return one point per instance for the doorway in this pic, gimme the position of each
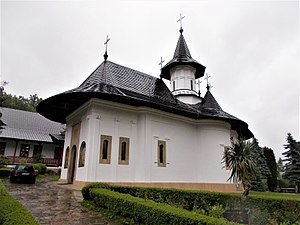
(72, 164)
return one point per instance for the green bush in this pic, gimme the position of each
(12, 212)
(3, 161)
(263, 206)
(41, 168)
(146, 211)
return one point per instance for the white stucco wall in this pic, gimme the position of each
(193, 148)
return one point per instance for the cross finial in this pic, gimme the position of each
(180, 20)
(106, 43)
(161, 62)
(206, 78)
(199, 82)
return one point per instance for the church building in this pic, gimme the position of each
(127, 127)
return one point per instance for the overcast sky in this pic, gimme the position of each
(250, 50)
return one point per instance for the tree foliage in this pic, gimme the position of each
(262, 172)
(292, 166)
(271, 163)
(21, 102)
(240, 161)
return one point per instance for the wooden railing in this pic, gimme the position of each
(47, 161)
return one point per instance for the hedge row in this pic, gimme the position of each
(263, 209)
(12, 212)
(146, 211)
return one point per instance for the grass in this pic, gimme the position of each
(275, 195)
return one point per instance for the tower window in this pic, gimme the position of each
(105, 149)
(173, 85)
(192, 85)
(124, 151)
(161, 153)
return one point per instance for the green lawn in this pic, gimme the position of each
(275, 195)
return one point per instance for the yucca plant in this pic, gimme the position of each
(240, 162)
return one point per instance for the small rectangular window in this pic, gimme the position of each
(105, 149)
(24, 152)
(174, 85)
(124, 151)
(161, 154)
(37, 150)
(192, 85)
(2, 148)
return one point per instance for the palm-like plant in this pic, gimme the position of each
(239, 160)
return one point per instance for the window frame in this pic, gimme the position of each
(82, 151)
(123, 140)
(24, 148)
(107, 138)
(161, 153)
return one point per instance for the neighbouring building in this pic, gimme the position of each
(28, 136)
(126, 127)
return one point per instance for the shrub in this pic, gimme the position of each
(41, 168)
(263, 207)
(3, 161)
(146, 211)
(12, 212)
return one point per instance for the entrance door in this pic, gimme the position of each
(73, 154)
(72, 164)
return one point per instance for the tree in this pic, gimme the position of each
(21, 102)
(292, 166)
(240, 161)
(262, 170)
(271, 163)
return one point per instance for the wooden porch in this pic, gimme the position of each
(46, 161)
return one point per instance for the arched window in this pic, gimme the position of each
(82, 154)
(161, 154)
(67, 157)
(105, 149)
(124, 150)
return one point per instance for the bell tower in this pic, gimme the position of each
(182, 72)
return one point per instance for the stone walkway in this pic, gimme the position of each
(53, 204)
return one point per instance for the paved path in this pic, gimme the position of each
(53, 204)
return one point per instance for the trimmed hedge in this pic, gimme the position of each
(148, 212)
(264, 209)
(12, 212)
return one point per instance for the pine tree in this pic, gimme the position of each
(271, 163)
(292, 167)
(262, 169)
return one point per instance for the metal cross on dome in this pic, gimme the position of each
(206, 78)
(180, 20)
(106, 42)
(161, 62)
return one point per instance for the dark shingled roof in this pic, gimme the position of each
(120, 84)
(31, 126)
(182, 56)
